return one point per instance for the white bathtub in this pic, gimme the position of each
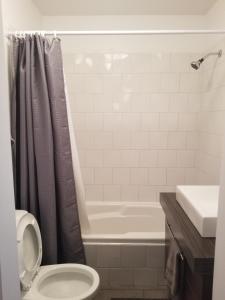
(126, 222)
(126, 246)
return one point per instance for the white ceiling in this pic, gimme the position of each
(123, 7)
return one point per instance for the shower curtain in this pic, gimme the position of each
(44, 178)
(80, 191)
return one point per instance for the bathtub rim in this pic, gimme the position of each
(155, 204)
(130, 238)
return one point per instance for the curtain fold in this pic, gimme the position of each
(80, 190)
(44, 178)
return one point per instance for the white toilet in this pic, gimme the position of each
(55, 282)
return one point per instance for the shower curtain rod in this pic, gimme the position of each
(121, 32)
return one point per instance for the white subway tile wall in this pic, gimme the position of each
(136, 117)
(211, 121)
(138, 269)
(144, 123)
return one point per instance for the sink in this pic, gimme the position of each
(200, 203)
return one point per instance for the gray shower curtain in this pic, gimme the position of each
(43, 172)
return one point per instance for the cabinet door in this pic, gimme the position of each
(195, 286)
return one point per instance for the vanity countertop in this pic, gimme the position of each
(198, 251)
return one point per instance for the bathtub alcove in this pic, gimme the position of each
(125, 245)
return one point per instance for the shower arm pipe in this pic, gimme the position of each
(119, 32)
(218, 53)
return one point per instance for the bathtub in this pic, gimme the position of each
(126, 245)
(126, 222)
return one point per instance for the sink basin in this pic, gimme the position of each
(200, 203)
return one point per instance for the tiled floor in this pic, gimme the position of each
(132, 295)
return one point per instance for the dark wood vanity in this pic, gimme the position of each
(198, 252)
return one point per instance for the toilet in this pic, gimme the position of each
(54, 282)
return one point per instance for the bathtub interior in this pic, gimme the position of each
(125, 222)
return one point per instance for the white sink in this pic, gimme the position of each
(200, 203)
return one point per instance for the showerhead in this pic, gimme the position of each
(196, 64)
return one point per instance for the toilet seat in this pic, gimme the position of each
(29, 246)
(43, 288)
(54, 282)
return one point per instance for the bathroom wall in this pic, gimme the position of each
(211, 125)
(176, 43)
(8, 253)
(215, 16)
(14, 15)
(20, 15)
(116, 22)
(216, 19)
(135, 116)
(219, 265)
(135, 107)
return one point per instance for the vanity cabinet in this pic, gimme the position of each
(197, 252)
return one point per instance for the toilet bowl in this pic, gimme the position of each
(65, 281)
(54, 282)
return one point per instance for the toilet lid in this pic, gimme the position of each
(29, 247)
